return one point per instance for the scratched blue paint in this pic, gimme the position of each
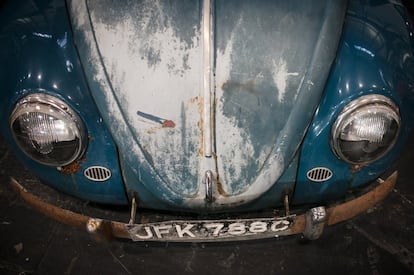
(150, 18)
(158, 13)
(272, 84)
(151, 117)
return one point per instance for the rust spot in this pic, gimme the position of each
(168, 124)
(101, 230)
(200, 127)
(221, 190)
(90, 138)
(234, 204)
(152, 131)
(200, 124)
(194, 99)
(357, 167)
(71, 168)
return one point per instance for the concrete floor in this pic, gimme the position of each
(378, 242)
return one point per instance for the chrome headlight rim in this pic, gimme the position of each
(37, 102)
(377, 101)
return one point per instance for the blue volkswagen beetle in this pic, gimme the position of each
(265, 118)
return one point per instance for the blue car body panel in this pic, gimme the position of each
(375, 56)
(41, 51)
(38, 55)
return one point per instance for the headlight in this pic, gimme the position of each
(48, 130)
(366, 129)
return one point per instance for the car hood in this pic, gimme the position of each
(219, 88)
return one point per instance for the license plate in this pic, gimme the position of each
(211, 230)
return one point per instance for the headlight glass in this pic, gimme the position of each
(48, 130)
(366, 129)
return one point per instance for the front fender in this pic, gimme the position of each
(38, 55)
(375, 57)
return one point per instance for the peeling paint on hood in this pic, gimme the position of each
(144, 60)
(151, 55)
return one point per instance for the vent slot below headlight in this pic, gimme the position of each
(319, 174)
(97, 173)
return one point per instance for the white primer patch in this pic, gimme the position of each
(164, 87)
(81, 23)
(235, 149)
(281, 77)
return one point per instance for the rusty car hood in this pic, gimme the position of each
(187, 87)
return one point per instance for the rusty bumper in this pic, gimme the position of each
(310, 224)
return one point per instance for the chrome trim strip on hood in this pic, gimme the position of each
(207, 76)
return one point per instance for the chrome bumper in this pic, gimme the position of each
(310, 224)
